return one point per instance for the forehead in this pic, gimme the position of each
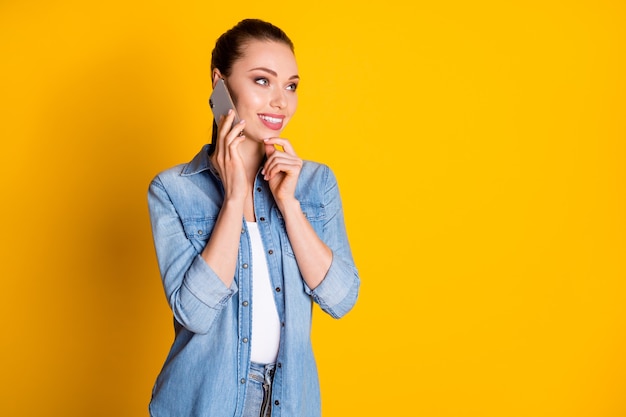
(276, 56)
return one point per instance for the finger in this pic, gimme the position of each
(222, 134)
(236, 131)
(225, 119)
(284, 143)
(269, 149)
(279, 157)
(276, 165)
(225, 124)
(232, 152)
(232, 146)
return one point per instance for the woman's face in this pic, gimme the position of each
(263, 86)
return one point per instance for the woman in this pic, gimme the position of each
(247, 237)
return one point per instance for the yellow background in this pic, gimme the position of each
(480, 150)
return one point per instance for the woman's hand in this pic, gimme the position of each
(227, 159)
(221, 250)
(281, 169)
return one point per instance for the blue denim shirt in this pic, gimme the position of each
(206, 369)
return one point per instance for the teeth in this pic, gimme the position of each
(271, 119)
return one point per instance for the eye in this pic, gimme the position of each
(292, 87)
(261, 81)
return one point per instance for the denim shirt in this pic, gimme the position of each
(205, 371)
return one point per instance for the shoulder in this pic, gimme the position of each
(167, 176)
(316, 180)
(183, 172)
(174, 171)
(316, 171)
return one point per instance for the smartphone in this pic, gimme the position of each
(221, 102)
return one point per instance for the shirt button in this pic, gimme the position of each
(280, 365)
(277, 289)
(245, 304)
(245, 340)
(276, 402)
(243, 231)
(262, 219)
(245, 266)
(199, 232)
(258, 189)
(271, 252)
(243, 380)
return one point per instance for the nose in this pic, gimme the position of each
(278, 98)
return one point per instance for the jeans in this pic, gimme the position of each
(259, 391)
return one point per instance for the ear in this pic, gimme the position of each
(216, 76)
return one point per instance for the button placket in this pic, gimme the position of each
(246, 312)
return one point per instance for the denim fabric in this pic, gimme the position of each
(259, 391)
(205, 373)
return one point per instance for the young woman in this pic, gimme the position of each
(248, 236)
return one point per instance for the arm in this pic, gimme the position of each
(338, 291)
(198, 285)
(193, 289)
(223, 246)
(314, 257)
(282, 170)
(325, 261)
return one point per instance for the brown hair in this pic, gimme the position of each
(229, 47)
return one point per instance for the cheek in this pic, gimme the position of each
(249, 103)
(293, 103)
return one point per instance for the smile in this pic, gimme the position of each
(271, 119)
(273, 122)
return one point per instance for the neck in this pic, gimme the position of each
(252, 154)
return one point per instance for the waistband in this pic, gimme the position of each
(262, 372)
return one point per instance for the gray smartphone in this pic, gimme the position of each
(220, 102)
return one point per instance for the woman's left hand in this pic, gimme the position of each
(281, 169)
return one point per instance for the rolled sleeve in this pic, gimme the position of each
(195, 293)
(338, 291)
(200, 298)
(204, 285)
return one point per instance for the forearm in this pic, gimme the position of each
(220, 253)
(314, 257)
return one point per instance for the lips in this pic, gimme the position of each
(274, 121)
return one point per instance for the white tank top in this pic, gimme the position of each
(265, 322)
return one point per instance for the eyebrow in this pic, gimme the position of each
(274, 73)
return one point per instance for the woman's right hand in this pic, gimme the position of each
(221, 250)
(227, 159)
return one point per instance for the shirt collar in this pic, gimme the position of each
(201, 162)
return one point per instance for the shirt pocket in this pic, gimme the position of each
(315, 214)
(198, 231)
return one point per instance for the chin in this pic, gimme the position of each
(254, 137)
(267, 133)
